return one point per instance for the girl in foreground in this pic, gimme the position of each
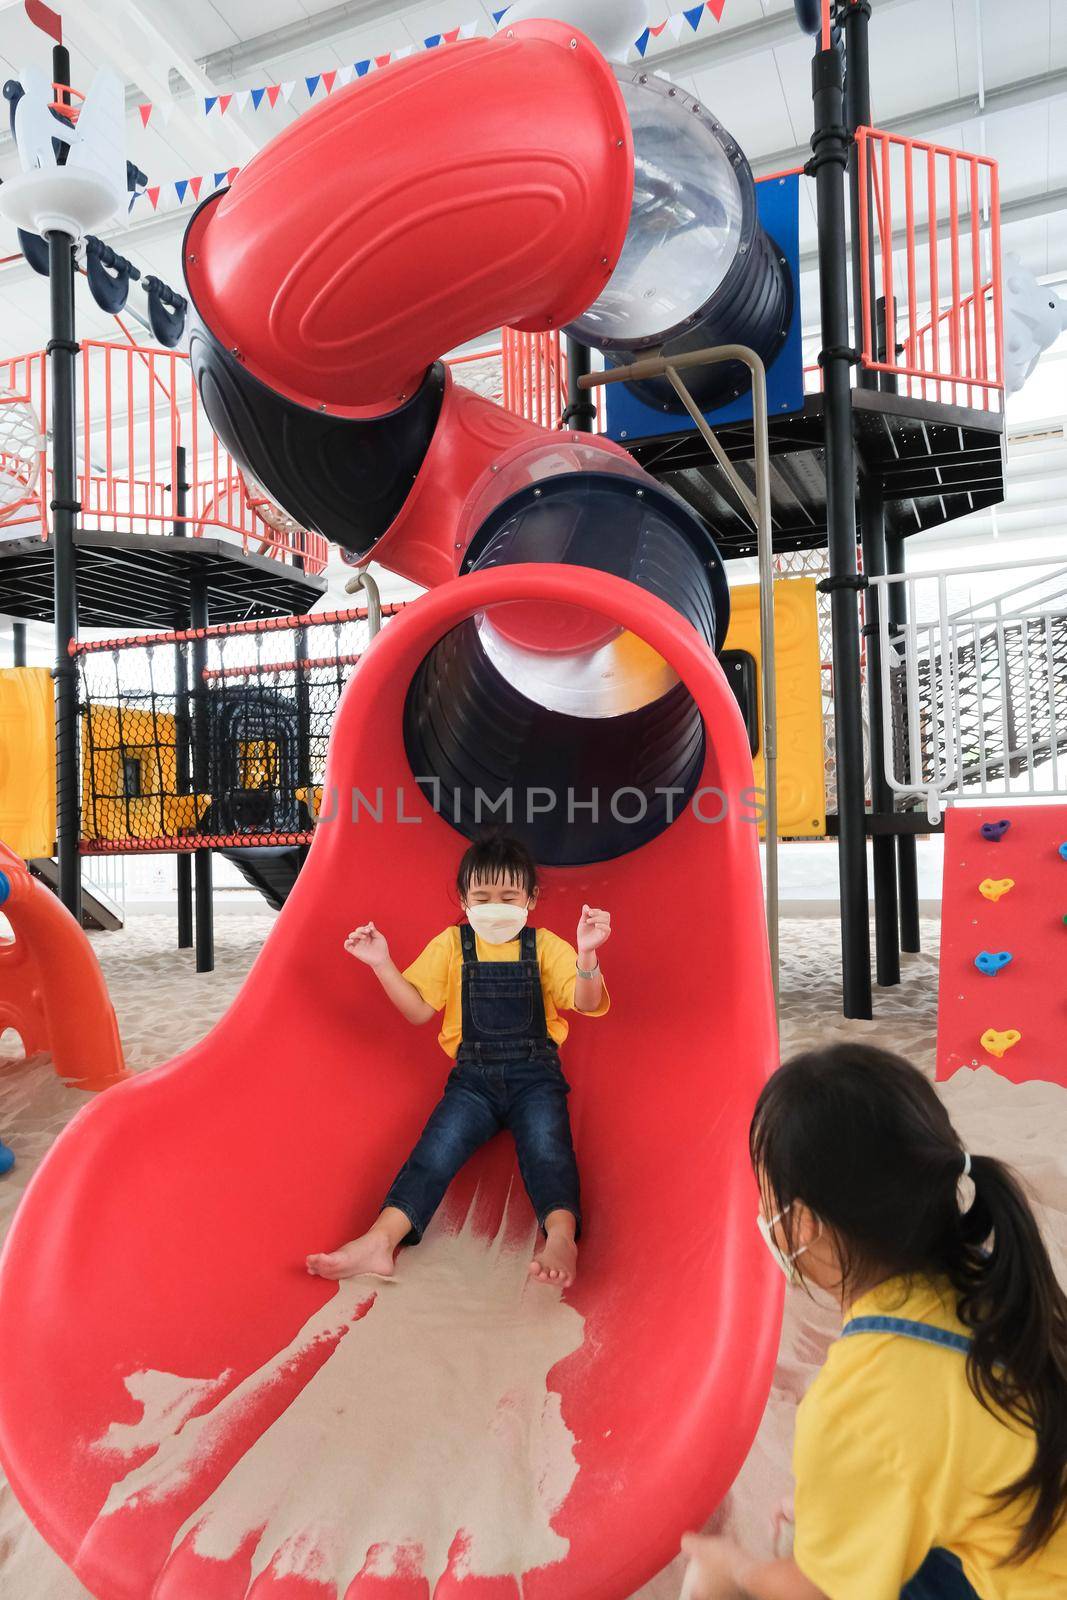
(931, 1451)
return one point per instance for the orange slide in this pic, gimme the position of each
(195, 1418)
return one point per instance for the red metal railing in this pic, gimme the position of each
(827, 24)
(228, 630)
(535, 376)
(932, 312)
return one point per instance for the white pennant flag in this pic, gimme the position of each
(243, 96)
(287, 89)
(468, 30)
(675, 25)
(405, 50)
(345, 74)
(164, 109)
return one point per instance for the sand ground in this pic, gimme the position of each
(163, 1007)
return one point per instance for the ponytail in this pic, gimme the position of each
(861, 1139)
(1012, 1304)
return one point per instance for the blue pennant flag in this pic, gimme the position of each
(642, 43)
(313, 83)
(498, 14)
(693, 16)
(209, 101)
(361, 68)
(433, 41)
(220, 177)
(180, 186)
(257, 96)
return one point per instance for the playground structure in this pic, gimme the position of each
(477, 689)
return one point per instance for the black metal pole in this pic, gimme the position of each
(62, 350)
(907, 861)
(303, 719)
(205, 926)
(182, 730)
(18, 644)
(580, 414)
(830, 153)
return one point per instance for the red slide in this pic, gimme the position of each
(187, 1415)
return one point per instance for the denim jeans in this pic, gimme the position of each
(939, 1578)
(528, 1095)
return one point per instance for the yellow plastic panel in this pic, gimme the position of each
(112, 735)
(801, 770)
(27, 761)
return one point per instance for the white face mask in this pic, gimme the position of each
(497, 923)
(787, 1263)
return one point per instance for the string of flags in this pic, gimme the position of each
(301, 92)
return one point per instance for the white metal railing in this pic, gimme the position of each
(974, 697)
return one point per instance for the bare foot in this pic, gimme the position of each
(557, 1262)
(372, 1253)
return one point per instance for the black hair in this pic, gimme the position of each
(861, 1138)
(497, 855)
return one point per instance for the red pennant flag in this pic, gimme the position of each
(194, 184)
(328, 80)
(273, 91)
(46, 19)
(655, 32)
(451, 36)
(145, 112)
(224, 103)
(153, 195)
(717, 7)
(383, 61)
(232, 173)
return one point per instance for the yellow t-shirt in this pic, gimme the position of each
(437, 975)
(894, 1456)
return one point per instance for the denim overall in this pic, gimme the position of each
(941, 1575)
(507, 1075)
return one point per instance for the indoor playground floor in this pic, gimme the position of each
(163, 1007)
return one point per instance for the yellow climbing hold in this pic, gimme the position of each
(998, 1044)
(996, 888)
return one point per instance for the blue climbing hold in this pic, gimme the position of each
(1063, 851)
(991, 962)
(7, 1159)
(5, 887)
(995, 831)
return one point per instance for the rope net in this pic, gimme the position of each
(212, 741)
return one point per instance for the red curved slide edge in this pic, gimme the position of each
(453, 192)
(52, 991)
(166, 1229)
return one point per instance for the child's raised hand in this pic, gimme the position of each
(368, 945)
(594, 928)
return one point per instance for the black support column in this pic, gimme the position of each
(580, 414)
(830, 155)
(205, 921)
(907, 861)
(18, 644)
(182, 723)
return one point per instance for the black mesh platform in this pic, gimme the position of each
(134, 582)
(934, 463)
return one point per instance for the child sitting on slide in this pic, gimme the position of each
(931, 1451)
(502, 987)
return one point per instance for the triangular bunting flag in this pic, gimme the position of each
(432, 41)
(232, 173)
(287, 90)
(224, 104)
(153, 195)
(642, 43)
(180, 186)
(383, 61)
(361, 68)
(328, 81)
(468, 30)
(164, 109)
(717, 7)
(209, 101)
(145, 111)
(451, 36)
(498, 14)
(194, 184)
(220, 177)
(344, 74)
(405, 50)
(257, 98)
(693, 15)
(243, 97)
(675, 24)
(273, 91)
(312, 84)
(656, 31)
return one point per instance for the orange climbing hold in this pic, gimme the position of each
(999, 1043)
(996, 888)
(52, 992)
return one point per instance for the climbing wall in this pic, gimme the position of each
(1003, 1001)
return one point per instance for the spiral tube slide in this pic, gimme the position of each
(194, 1418)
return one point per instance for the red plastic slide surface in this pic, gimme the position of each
(980, 1012)
(187, 1415)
